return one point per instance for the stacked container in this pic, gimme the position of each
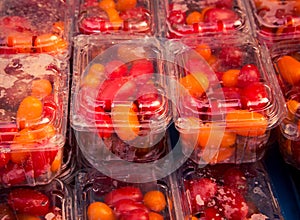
(285, 57)
(274, 21)
(34, 83)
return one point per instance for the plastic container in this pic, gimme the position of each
(286, 59)
(119, 106)
(186, 18)
(33, 103)
(97, 194)
(227, 191)
(227, 99)
(36, 26)
(117, 17)
(51, 201)
(274, 21)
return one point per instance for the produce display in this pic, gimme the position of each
(275, 20)
(33, 119)
(286, 61)
(202, 17)
(37, 26)
(44, 202)
(226, 104)
(128, 17)
(120, 109)
(106, 198)
(227, 192)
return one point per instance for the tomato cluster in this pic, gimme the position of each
(224, 87)
(21, 37)
(28, 204)
(275, 19)
(107, 16)
(23, 137)
(186, 18)
(220, 193)
(121, 99)
(129, 203)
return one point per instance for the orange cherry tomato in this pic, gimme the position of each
(99, 210)
(230, 77)
(123, 5)
(204, 50)
(29, 112)
(44, 131)
(246, 123)
(107, 4)
(155, 216)
(193, 17)
(23, 44)
(50, 43)
(27, 217)
(114, 18)
(41, 88)
(155, 200)
(289, 69)
(196, 83)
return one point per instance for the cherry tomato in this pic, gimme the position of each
(7, 132)
(28, 201)
(213, 15)
(99, 210)
(248, 74)
(50, 43)
(127, 192)
(193, 17)
(27, 217)
(288, 68)
(236, 179)
(254, 96)
(103, 123)
(196, 83)
(13, 174)
(142, 69)
(155, 200)
(201, 191)
(230, 78)
(136, 19)
(94, 24)
(136, 214)
(126, 205)
(41, 88)
(123, 5)
(177, 17)
(116, 69)
(211, 213)
(233, 204)
(231, 56)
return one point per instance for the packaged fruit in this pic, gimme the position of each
(185, 18)
(286, 60)
(228, 99)
(101, 197)
(35, 26)
(227, 191)
(33, 104)
(119, 107)
(275, 20)
(51, 201)
(121, 17)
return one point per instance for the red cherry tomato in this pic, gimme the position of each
(225, 15)
(248, 74)
(201, 192)
(127, 205)
(137, 19)
(232, 203)
(116, 69)
(136, 214)
(254, 96)
(176, 17)
(236, 179)
(212, 213)
(12, 174)
(127, 192)
(103, 123)
(4, 159)
(231, 57)
(28, 201)
(7, 132)
(143, 69)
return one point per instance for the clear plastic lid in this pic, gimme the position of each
(51, 201)
(121, 199)
(227, 96)
(186, 18)
(227, 191)
(275, 20)
(35, 26)
(119, 86)
(134, 17)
